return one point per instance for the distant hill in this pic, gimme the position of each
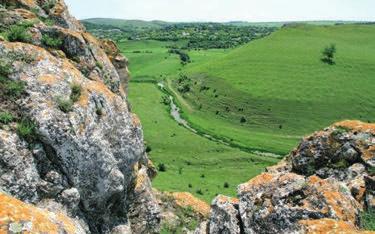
(157, 24)
(127, 24)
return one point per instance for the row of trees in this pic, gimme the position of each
(197, 35)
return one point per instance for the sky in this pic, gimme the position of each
(225, 10)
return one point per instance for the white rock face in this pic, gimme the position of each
(84, 155)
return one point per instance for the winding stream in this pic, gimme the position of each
(176, 114)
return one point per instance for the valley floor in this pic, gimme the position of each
(192, 163)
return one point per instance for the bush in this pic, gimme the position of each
(190, 185)
(148, 149)
(76, 92)
(329, 54)
(5, 67)
(51, 42)
(65, 105)
(18, 33)
(6, 117)
(27, 130)
(99, 65)
(48, 5)
(199, 191)
(14, 89)
(99, 111)
(368, 220)
(243, 120)
(162, 167)
(226, 185)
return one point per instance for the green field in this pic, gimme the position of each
(281, 88)
(189, 158)
(277, 85)
(151, 60)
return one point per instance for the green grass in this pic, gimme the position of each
(6, 117)
(151, 60)
(26, 129)
(187, 156)
(282, 88)
(368, 220)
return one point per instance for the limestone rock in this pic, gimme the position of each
(85, 155)
(144, 210)
(19, 217)
(321, 187)
(224, 216)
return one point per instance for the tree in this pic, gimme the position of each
(329, 54)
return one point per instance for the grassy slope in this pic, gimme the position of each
(160, 63)
(177, 148)
(280, 81)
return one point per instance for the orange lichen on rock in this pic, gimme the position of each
(186, 200)
(136, 121)
(97, 87)
(30, 219)
(225, 199)
(357, 126)
(329, 226)
(48, 79)
(368, 153)
(26, 14)
(261, 179)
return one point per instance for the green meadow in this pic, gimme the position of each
(263, 96)
(269, 93)
(192, 163)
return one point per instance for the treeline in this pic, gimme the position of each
(197, 35)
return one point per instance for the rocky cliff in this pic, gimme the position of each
(69, 145)
(321, 187)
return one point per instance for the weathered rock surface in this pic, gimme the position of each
(85, 153)
(321, 187)
(19, 217)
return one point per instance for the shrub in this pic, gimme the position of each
(76, 92)
(5, 67)
(48, 5)
(190, 185)
(243, 120)
(51, 42)
(203, 176)
(148, 149)
(199, 191)
(14, 89)
(6, 117)
(65, 105)
(226, 185)
(27, 130)
(162, 167)
(18, 33)
(329, 54)
(368, 220)
(99, 65)
(99, 111)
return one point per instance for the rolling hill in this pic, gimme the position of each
(269, 93)
(126, 24)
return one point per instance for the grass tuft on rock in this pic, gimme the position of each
(26, 129)
(65, 105)
(18, 33)
(6, 117)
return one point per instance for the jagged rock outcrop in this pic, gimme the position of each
(321, 187)
(72, 142)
